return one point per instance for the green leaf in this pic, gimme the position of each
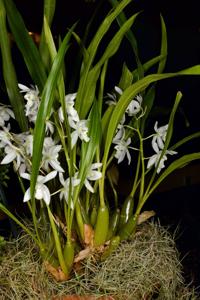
(26, 45)
(45, 109)
(9, 73)
(104, 27)
(179, 163)
(150, 95)
(49, 10)
(171, 121)
(93, 74)
(114, 44)
(126, 78)
(89, 149)
(105, 121)
(146, 66)
(185, 140)
(92, 49)
(163, 51)
(121, 19)
(52, 51)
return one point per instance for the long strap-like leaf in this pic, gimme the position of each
(92, 49)
(49, 10)
(9, 73)
(26, 45)
(45, 109)
(178, 163)
(121, 19)
(93, 74)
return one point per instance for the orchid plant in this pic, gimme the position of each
(69, 140)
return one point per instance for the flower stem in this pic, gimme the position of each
(57, 243)
(142, 165)
(135, 184)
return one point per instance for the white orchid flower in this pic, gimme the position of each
(18, 149)
(28, 145)
(159, 137)
(12, 154)
(113, 97)
(134, 106)
(70, 110)
(122, 150)
(31, 94)
(31, 109)
(41, 190)
(154, 159)
(48, 142)
(120, 132)
(5, 137)
(50, 154)
(49, 127)
(20, 138)
(81, 131)
(33, 101)
(5, 114)
(64, 194)
(50, 158)
(92, 175)
(25, 144)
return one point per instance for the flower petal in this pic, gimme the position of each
(56, 166)
(8, 158)
(152, 161)
(27, 196)
(118, 90)
(25, 176)
(46, 195)
(154, 144)
(23, 88)
(49, 176)
(160, 142)
(88, 186)
(74, 138)
(96, 165)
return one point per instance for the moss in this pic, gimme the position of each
(145, 267)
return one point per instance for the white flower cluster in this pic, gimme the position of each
(122, 145)
(18, 148)
(5, 114)
(79, 126)
(158, 140)
(134, 107)
(33, 101)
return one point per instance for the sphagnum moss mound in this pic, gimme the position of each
(146, 267)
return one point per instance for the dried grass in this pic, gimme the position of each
(145, 267)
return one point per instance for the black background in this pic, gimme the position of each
(178, 206)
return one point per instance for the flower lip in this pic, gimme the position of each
(41, 190)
